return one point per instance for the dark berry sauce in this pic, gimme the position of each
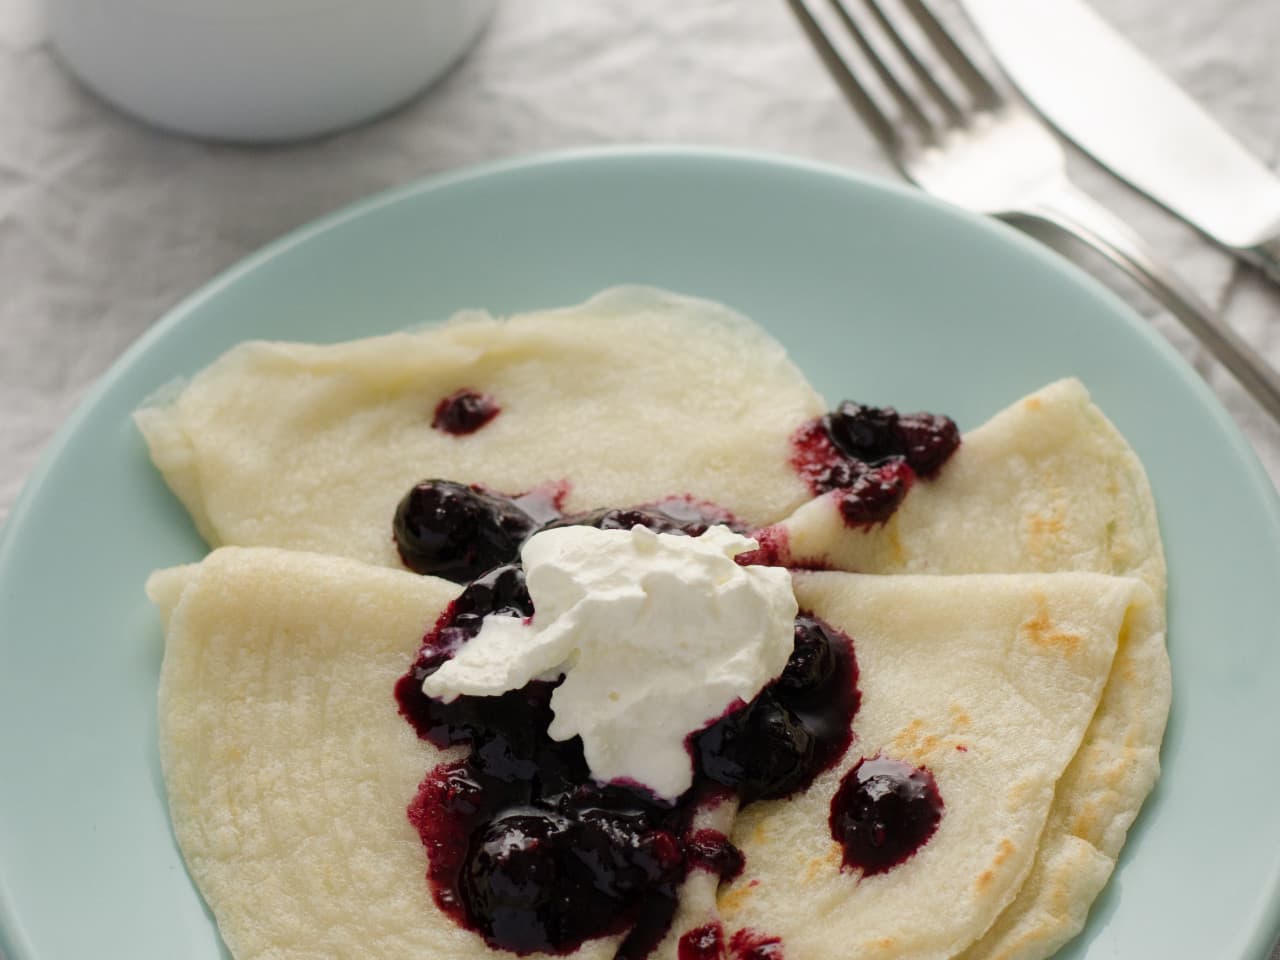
(523, 846)
(798, 726)
(884, 811)
(872, 454)
(464, 411)
(544, 503)
(702, 943)
(874, 496)
(458, 531)
(672, 515)
(751, 945)
(774, 548)
(711, 850)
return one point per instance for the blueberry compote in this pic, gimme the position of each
(753, 945)
(711, 850)
(672, 515)
(464, 411)
(457, 531)
(796, 727)
(884, 811)
(702, 943)
(873, 455)
(523, 846)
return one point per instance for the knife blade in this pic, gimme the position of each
(1103, 95)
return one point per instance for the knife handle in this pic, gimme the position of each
(1074, 212)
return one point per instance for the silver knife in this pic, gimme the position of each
(1114, 104)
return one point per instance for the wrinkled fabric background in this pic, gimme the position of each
(105, 224)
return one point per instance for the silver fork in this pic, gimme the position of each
(988, 153)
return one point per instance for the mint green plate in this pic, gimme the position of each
(879, 293)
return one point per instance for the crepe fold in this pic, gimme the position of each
(1048, 484)
(986, 681)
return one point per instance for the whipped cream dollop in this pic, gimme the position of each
(656, 634)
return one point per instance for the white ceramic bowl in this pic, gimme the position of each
(261, 70)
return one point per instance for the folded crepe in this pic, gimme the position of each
(1048, 484)
(289, 768)
(988, 682)
(634, 396)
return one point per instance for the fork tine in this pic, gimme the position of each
(905, 101)
(870, 114)
(974, 80)
(922, 74)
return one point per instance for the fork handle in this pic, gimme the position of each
(1076, 213)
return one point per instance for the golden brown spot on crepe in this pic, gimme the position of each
(1061, 891)
(892, 543)
(907, 737)
(914, 744)
(959, 717)
(1044, 530)
(831, 861)
(1042, 525)
(1085, 824)
(1032, 938)
(1019, 793)
(1003, 853)
(759, 834)
(1123, 661)
(885, 945)
(1033, 403)
(1118, 774)
(732, 900)
(1041, 631)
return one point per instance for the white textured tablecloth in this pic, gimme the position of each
(105, 224)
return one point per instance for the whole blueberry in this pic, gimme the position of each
(869, 434)
(876, 494)
(927, 440)
(811, 660)
(763, 750)
(456, 531)
(514, 880)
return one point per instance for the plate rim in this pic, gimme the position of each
(14, 943)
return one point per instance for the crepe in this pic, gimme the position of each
(1047, 484)
(289, 768)
(634, 396)
(988, 682)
